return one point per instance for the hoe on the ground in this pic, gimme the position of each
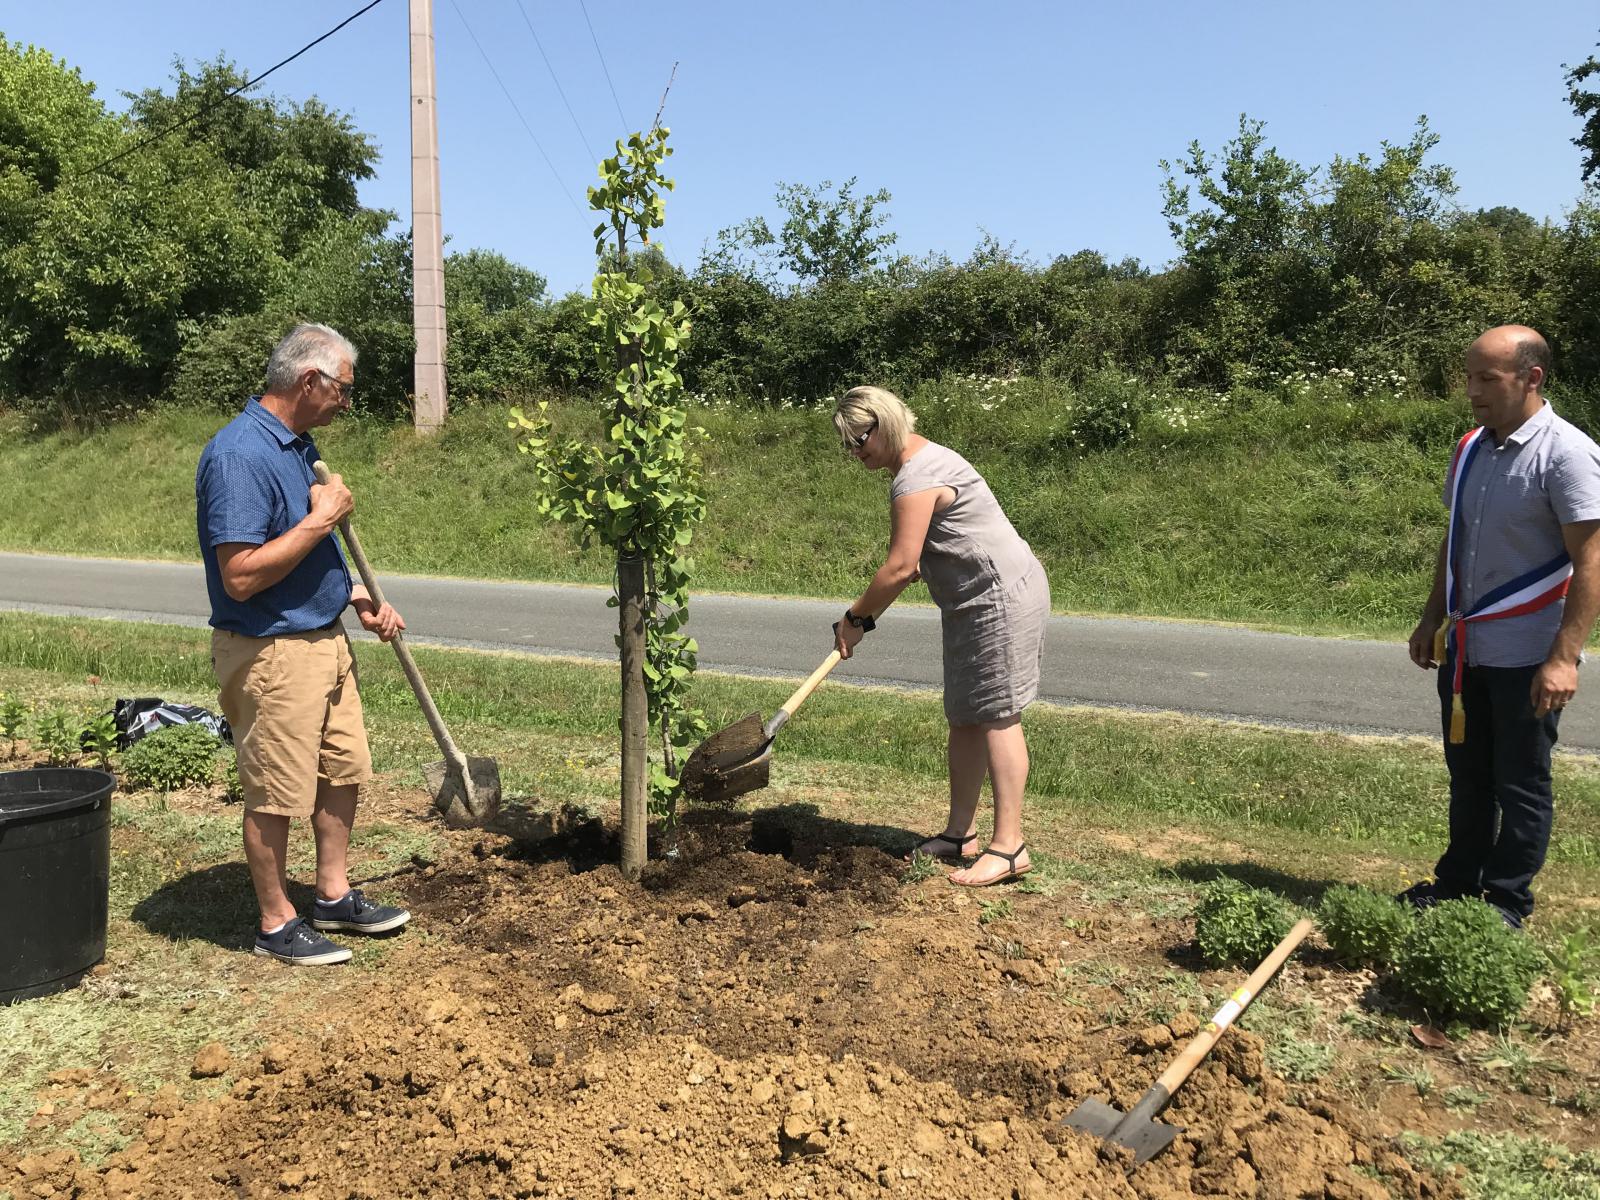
(1138, 1130)
(738, 759)
(465, 790)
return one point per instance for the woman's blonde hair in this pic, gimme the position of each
(861, 407)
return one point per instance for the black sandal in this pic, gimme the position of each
(957, 842)
(1013, 873)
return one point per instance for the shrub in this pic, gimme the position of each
(99, 737)
(172, 757)
(1235, 924)
(1461, 961)
(1575, 972)
(13, 713)
(56, 737)
(1105, 411)
(1363, 926)
(234, 790)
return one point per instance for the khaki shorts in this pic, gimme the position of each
(293, 703)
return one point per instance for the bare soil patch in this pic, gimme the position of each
(773, 1012)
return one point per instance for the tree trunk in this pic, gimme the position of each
(635, 715)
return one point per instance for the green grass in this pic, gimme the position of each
(1315, 511)
(1507, 1167)
(1274, 791)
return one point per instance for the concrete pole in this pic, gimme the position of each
(427, 229)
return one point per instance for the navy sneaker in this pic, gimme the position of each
(357, 914)
(1513, 920)
(1423, 895)
(299, 945)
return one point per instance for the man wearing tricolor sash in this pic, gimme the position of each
(1515, 593)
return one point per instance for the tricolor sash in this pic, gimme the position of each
(1526, 593)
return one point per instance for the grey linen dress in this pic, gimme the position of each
(992, 593)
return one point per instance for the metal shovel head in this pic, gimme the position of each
(727, 748)
(727, 785)
(465, 802)
(1144, 1136)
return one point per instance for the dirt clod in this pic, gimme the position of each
(211, 1060)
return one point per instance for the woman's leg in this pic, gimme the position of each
(1006, 752)
(968, 757)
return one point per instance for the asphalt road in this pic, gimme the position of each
(1211, 670)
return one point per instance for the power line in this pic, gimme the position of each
(588, 149)
(200, 112)
(603, 67)
(509, 99)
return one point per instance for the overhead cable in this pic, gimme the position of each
(601, 54)
(203, 110)
(588, 147)
(512, 101)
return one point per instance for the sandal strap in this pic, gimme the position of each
(945, 837)
(1009, 859)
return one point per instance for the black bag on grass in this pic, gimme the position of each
(146, 714)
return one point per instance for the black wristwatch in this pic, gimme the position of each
(865, 624)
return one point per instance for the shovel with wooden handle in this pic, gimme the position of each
(1138, 1129)
(465, 790)
(738, 759)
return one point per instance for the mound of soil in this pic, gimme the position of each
(772, 1013)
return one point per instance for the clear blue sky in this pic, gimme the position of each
(1042, 123)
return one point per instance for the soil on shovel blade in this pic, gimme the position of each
(772, 1013)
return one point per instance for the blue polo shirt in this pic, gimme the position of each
(253, 484)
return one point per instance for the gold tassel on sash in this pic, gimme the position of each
(1458, 711)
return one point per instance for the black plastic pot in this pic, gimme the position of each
(55, 878)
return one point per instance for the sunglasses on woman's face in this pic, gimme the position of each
(859, 440)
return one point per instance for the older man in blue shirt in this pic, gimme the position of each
(278, 585)
(1516, 590)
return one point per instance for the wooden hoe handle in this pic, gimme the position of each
(1194, 1053)
(447, 744)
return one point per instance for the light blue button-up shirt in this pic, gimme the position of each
(1514, 501)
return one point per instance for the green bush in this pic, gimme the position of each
(57, 736)
(99, 738)
(13, 714)
(234, 790)
(1363, 926)
(1106, 410)
(1235, 924)
(172, 757)
(1460, 960)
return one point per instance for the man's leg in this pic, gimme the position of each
(266, 851)
(331, 823)
(344, 764)
(1523, 743)
(1472, 803)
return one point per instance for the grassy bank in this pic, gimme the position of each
(1306, 507)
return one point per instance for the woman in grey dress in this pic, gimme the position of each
(993, 601)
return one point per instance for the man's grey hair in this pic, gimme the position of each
(307, 347)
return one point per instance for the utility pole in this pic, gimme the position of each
(427, 229)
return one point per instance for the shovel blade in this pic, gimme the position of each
(465, 802)
(729, 748)
(723, 787)
(1145, 1137)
